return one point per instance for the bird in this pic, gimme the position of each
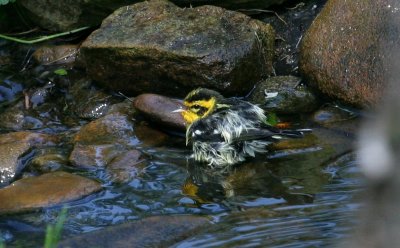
(225, 131)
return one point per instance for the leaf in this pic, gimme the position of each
(61, 72)
(271, 119)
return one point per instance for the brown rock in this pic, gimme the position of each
(126, 166)
(344, 54)
(110, 129)
(155, 46)
(93, 155)
(13, 146)
(158, 109)
(149, 136)
(156, 231)
(45, 191)
(62, 54)
(31, 138)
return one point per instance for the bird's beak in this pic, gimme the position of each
(179, 110)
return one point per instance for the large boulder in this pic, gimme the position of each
(344, 52)
(58, 15)
(155, 46)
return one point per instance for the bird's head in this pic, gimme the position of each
(200, 103)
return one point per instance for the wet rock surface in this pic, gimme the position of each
(284, 95)
(110, 129)
(62, 54)
(204, 46)
(159, 109)
(44, 191)
(93, 155)
(344, 52)
(14, 147)
(126, 166)
(157, 231)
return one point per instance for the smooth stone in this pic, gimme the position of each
(155, 231)
(109, 129)
(45, 191)
(159, 110)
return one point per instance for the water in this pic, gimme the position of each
(279, 205)
(301, 197)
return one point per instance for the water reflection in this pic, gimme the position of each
(252, 184)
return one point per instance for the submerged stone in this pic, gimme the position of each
(44, 191)
(155, 46)
(156, 231)
(126, 166)
(93, 155)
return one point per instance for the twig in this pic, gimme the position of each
(42, 38)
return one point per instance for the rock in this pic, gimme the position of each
(8, 88)
(10, 154)
(149, 136)
(159, 109)
(88, 102)
(344, 53)
(290, 25)
(93, 155)
(61, 54)
(14, 147)
(48, 162)
(17, 118)
(109, 129)
(156, 231)
(157, 47)
(64, 16)
(44, 191)
(126, 166)
(292, 96)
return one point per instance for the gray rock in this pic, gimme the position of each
(158, 47)
(156, 231)
(292, 97)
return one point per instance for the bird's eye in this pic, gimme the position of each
(195, 107)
